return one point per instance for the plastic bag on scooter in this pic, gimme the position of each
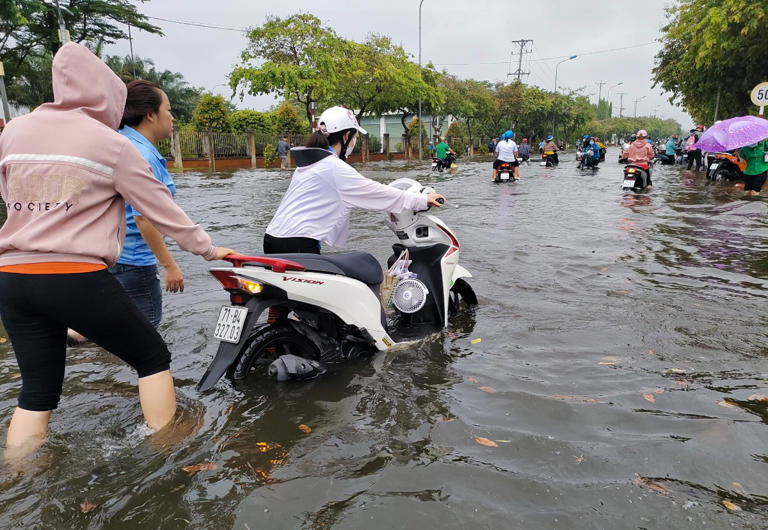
(398, 271)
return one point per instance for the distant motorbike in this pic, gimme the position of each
(724, 166)
(439, 164)
(636, 177)
(665, 159)
(586, 161)
(505, 173)
(549, 159)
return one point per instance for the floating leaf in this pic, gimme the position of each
(650, 352)
(504, 441)
(660, 488)
(757, 397)
(579, 459)
(472, 379)
(3, 340)
(608, 363)
(739, 487)
(488, 389)
(658, 391)
(732, 507)
(475, 341)
(727, 404)
(86, 506)
(649, 397)
(675, 371)
(306, 429)
(446, 419)
(199, 467)
(486, 441)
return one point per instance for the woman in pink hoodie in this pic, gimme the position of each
(64, 171)
(640, 153)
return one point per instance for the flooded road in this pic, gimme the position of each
(619, 380)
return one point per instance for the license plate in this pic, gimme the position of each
(504, 176)
(713, 167)
(629, 183)
(230, 324)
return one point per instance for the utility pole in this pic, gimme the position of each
(521, 43)
(621, 104)
(638, 99)
(600, 90)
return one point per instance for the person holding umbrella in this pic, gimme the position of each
(756, 156)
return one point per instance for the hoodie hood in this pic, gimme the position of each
(82, 82)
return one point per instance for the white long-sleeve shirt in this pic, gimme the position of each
(321, 196)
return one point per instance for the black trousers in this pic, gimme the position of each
(694, 155)
(290, 245)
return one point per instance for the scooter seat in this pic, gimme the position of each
(358, 265)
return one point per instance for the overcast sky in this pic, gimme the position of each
(471, 39)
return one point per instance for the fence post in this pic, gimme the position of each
(178, 161)
(386, 145)
(252, 147)
(364, 149)
(208, 142)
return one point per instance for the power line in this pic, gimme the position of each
(200, 25)
(555, 57)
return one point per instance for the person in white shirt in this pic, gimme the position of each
(506, 151)
(324, 189)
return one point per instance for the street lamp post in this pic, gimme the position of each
(608, 97)
(63, 35)
(556, 67)
(418, 123)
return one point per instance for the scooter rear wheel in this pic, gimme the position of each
(266, 345)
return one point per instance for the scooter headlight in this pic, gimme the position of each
(409, 295)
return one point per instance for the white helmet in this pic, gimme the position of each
(337, 119)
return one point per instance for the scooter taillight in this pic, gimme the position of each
(232, 282)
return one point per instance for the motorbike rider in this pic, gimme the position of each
(640, 153)
(602, 148)
(507, 153)
(756, 170)
(324, 189)
(441, 153)
(694, 154)
(550, 150)
(524, 150)
(592, 152)
(624, 147)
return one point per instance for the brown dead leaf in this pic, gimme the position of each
(658, 391)
(86, 506)
(199, 467)
(757, 397)
(731, 506)
(486, 441)
(739, 487)
(607, 363)
(650, 352)
(306, 429)
(660, 488)
(488, 389)
(640, 481)
(3, 340)
(649, 397)
(229, 408)
(446, 419)
(727, 404)
(471, 379)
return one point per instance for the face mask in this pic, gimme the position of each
(351, 146)
(591, 143)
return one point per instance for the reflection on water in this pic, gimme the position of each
(619, 379)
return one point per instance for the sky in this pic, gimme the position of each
(470, 39)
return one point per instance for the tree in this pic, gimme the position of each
(711, 47)
(296, 59)
(469, 100)
(286, 120)
(252, 120)
(183, 97)
(212, 112)
(29, 37)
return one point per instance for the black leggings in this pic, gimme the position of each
(37, 309)
(290, 245)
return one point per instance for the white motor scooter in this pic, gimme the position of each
(326, 309)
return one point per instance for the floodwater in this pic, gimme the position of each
(615, 368)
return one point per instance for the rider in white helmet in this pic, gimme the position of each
(324, 189)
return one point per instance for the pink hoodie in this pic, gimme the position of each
(64, 171)
(639, 152)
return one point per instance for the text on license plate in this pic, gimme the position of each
(713, 167)
(629, 183)
(230, 324)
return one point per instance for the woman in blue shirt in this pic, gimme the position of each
(146, 120)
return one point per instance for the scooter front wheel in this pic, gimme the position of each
(461, 296)
(266, 345)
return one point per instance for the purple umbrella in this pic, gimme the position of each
(733, 133)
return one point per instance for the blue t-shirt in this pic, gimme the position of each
(135, 250)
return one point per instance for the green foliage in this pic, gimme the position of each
(252, 120)
(711, 45)
(211, 113)
(269, 155)
(183, 97)
(468, 100)
(29, 38)
(287, 121)
(623, 127)
(293, 57)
